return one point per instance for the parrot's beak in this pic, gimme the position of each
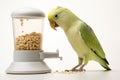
(53, 24)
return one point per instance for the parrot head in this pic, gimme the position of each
(60, 16)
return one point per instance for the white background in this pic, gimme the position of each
(102, 15)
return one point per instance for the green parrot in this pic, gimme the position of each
(81, 37)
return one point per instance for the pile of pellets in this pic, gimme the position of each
(30, 41)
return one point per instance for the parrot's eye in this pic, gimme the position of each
(55, 15)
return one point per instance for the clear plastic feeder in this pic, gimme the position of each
(28, 29)
(28, 57)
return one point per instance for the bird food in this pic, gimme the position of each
(30, 41)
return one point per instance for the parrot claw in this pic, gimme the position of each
(76, 70)
(79, 70)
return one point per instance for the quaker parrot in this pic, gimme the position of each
(81, 37)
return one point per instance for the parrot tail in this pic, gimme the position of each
(106, 67)
(103, 62)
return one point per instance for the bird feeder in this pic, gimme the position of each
(28, 54)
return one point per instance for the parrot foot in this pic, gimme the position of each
(76, 69)
(81, 68)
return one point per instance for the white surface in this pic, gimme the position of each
(89, 75)
(102, 15)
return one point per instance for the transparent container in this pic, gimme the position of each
(28, 28)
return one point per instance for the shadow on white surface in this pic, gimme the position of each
(88, 75)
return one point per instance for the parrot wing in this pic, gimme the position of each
(91, 41)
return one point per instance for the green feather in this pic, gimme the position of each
(92, 42)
